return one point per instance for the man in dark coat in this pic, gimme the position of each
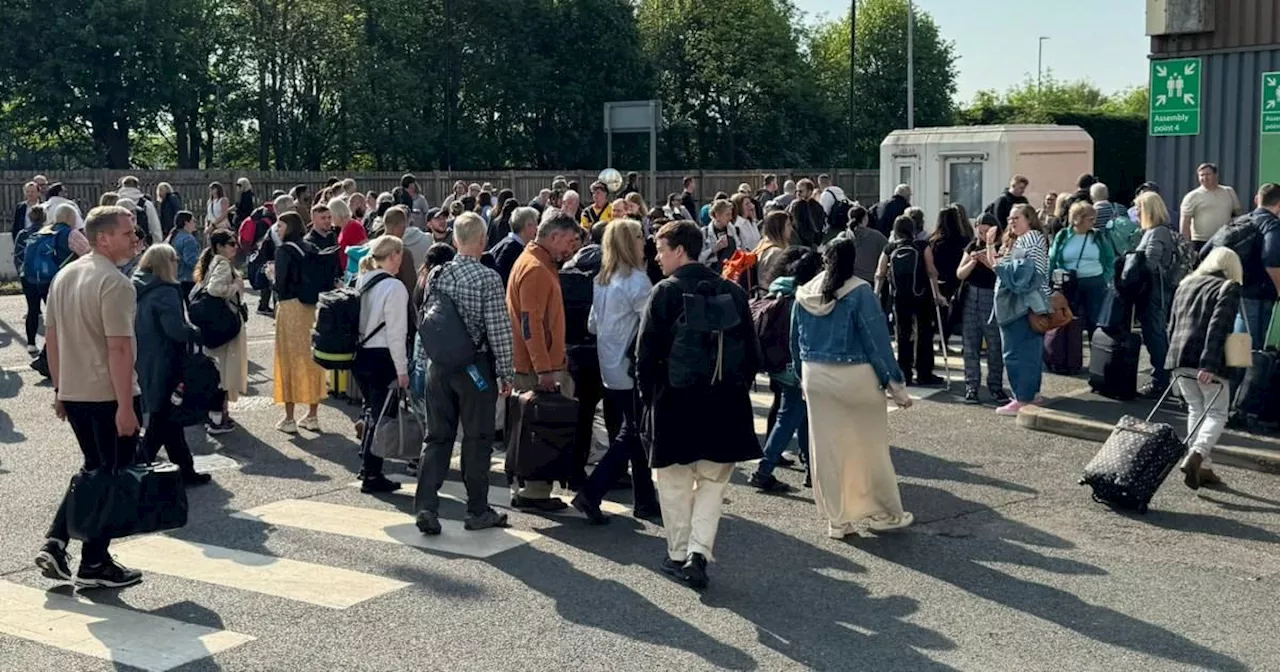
(696, 358)
(1014, 195)
(808, 218)
(524, 227)
(884, 213)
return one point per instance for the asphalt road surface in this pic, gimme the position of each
(285, 566)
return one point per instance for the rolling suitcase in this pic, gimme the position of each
(1113, 364)
(1137, 457)
(1258, 397)
(541, 430)
(1064, 348)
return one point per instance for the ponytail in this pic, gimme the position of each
(202, 266)
(368, 263)
(380, 249)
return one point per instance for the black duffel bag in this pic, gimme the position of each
(218, 322)
(138, 499)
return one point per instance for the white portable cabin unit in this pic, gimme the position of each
(971, 165)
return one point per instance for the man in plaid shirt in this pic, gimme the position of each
(469, 396)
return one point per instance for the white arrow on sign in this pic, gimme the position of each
(1190, 69)
(1161, 100)
(1189, 99)
(1271, 81)
(1271, 104)
(1161, 71)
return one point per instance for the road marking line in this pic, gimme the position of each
(386, 526)
(114, 634)
(498, 497)
(291, 579)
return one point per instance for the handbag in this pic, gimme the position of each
(399, 437)
(1059, 315)
(1239, 348)
(138, 499)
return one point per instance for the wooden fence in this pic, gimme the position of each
(85, 186)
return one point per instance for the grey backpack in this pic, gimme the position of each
(445, 339)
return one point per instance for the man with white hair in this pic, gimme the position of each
(570, 203)
(788, 196)
(542, 200)
(1102, 205)
(468, 397)
(885, 212)
(524, 226)
(144, 209)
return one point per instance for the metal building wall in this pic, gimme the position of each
(1239, 25)
(1229, 129)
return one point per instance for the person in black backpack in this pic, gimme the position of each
(903, 269)
(800, 265)
(163, 333)
(696, 358)
(298, 379)
(576, 287)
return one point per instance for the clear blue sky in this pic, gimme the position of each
(1098, 40)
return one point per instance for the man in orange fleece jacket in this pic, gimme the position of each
(537, 319)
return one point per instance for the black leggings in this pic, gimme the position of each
(374, 372)
(34, 294)
(164, 431)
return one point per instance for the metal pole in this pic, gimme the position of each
(653, 154)
(1039, 64)
(608, 152)
(911, 65)
(853, 38)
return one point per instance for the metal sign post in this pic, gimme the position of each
(635, 116)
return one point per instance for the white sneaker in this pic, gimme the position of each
(888, 523)
(311, 424)
(32, 349)
(837, 531)
(287, 426)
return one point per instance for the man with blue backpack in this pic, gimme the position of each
(39, 252)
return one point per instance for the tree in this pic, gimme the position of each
(880, 76)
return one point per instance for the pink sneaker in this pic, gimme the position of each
(1011, 408)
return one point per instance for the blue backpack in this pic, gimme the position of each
(46, 251)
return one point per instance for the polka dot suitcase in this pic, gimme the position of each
(1136, 458)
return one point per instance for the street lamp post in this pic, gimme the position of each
(853, 33)
(911, 65)
(1040, 62)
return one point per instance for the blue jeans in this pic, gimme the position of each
(793, 419)
(1258, 312)
(1023, 358)
(1154, 320)
(1086, 300)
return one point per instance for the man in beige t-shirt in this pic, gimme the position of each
(1208, 207)
(90, 340)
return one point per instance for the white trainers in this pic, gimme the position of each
(33, 350)
(310, 423)
(888, 523)
(287, 426)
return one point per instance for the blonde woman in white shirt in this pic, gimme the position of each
(620, 293)
(383, 358)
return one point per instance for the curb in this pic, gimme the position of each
(1047, 420)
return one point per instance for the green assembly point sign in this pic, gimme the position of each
(1175, 97)
(1269, 129)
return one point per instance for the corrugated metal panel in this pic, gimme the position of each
(1239, 24)
(1228, 133)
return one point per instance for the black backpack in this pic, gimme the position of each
(219, 324)
(319, 269)
(200, 391)
(335, 339)
(907, 275)
(446, 342)
(771, 315)
(144, 222)
(838, 218)
(1244, 237)
(703, 352)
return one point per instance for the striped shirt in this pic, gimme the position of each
(1038, 250)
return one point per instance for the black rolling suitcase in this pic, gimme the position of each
(541, 429)
(1113, 364)
(1136, 458)
(1258, 397)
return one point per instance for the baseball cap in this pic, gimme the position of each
(432, 213)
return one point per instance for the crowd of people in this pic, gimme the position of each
(662, 316)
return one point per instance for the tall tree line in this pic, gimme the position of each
(451, 84)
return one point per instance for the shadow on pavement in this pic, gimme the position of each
(1203, 523)
(789, 589)
(916, 464)
(970, 564)
(610, 606)
(10, 385)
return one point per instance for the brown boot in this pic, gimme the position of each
(1208, 478)
(1192, 471)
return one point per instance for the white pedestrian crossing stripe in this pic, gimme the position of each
(300, 581)
(498, 497)
(386, 526)
(114, 634)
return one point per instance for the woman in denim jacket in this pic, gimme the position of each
(839, 336)
(1022, 286)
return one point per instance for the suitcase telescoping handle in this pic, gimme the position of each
(1199, 421)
